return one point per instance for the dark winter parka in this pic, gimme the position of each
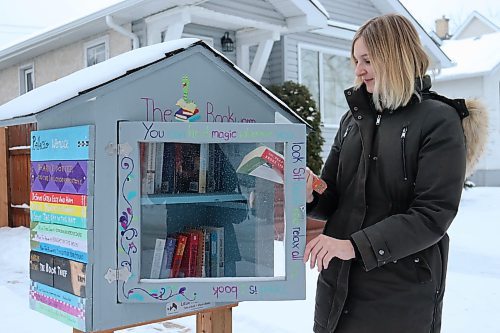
(394, 184)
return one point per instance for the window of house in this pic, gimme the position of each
(96, 51)
(327, 73)
(26, 79)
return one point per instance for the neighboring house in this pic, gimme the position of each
(306, 41)
(275, 40)
(476, 74)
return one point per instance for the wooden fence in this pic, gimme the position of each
(15, 175)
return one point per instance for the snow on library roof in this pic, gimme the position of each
(70, 86)
(79, 82)
(473, 56)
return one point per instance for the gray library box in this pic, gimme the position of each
(164, 181)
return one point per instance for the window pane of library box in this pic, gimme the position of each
(212, 210)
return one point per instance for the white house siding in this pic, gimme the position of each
(58, 63)
(350, 11)
(487, 89)
(9, 86)
(252, 9)
(273, 73)
(291, 46)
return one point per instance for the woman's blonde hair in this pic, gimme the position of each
(397, 57)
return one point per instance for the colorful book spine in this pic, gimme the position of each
(159, 166)
(42, 268)
(216, 251)
(168, 171)
(202, 179)
(188, 264)
(157, 258)
(178, 254)
(166, 266)
(150, 167)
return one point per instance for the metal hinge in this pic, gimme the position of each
(118, 149)
(122, 274)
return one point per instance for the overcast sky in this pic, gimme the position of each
(20, 18)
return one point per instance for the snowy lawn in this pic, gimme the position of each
(472, 299)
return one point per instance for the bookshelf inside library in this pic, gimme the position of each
(211, 210)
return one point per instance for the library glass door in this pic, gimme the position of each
(211, 212)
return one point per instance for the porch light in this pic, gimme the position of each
(227, 43)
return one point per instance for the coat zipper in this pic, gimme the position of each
(403, 149)
(379, 117)
(436, 297)
(347, 130)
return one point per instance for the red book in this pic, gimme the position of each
(190, 257)
(178, 254)
(263, 162)
(200, 260)
(273, 158)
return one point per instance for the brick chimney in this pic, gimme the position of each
(442, 28)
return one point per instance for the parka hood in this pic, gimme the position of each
(475, 120)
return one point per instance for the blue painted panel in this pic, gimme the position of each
(68, 143)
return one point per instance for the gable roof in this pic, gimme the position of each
(23, 108)
(482, 56)
(475, 16)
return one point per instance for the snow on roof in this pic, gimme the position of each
(72, 85)
(472, 56)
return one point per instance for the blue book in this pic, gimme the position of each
(168, 254)
(168, 169)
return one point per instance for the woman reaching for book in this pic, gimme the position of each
(395, 175)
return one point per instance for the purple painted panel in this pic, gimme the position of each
(62, 176)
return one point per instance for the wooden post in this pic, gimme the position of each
(215, 320)
(4, 178)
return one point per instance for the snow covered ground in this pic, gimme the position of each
(472, 299)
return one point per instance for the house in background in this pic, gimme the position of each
(474, 48)
(306, 41)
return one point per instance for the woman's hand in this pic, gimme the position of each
(309, 185)
(323, 248)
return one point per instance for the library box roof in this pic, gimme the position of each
(148, 82)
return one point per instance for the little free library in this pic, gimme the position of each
(164, 181)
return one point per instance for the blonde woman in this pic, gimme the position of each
(395, 175)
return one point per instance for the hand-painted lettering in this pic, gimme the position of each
(152, 133)
(154, 113)
(252, 290)
(227, 290)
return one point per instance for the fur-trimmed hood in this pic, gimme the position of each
(476, 133)
(475, 120)
(474, 117)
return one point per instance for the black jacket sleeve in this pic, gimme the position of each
(437, 191)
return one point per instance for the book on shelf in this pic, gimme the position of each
(263, 162)
(159, 152)
(168, 254)
(178, 254)
(190, 256)
(150, 165)
(216, 251)
(157, 258)
(187, 165)
(200, 260)
(168, 168)
(210, 177)
(203, 164)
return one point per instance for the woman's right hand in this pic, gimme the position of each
(309, 185)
